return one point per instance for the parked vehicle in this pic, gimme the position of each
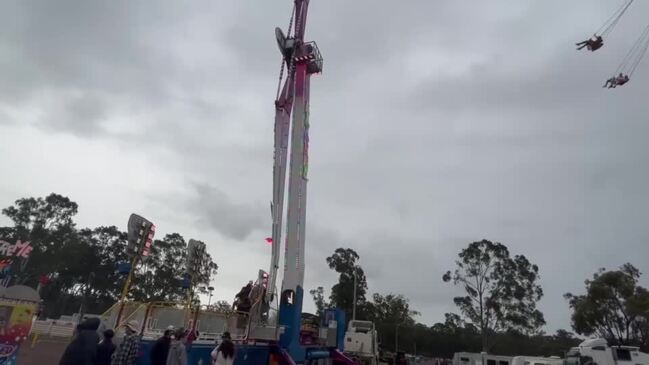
(598, 352)
(361, 342)
(533, 360)
(483, 358)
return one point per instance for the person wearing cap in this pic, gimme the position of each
(127, 352)
(177, 350)
(224, 353)
(160, 349)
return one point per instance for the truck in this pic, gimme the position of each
(597, 352)
(361, 342)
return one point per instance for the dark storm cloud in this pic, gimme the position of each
(75, 45)
(119, 52)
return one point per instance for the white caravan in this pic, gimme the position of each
(533, 360)
(361, 342)
(598, 352)
(472, 358)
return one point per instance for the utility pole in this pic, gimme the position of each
(396, 339)
(354, 299)
(82, 307)
(209, 300)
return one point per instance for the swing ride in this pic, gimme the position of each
(597, 40)
(631, 60)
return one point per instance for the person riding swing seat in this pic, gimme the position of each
(592, 44)
(618, 80)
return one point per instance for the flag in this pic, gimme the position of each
(44, 279)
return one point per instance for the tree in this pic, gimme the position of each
(159, 278)
(102, 249)
(71, 257)
(453, 324)
(345, 262)
(319, 300)
(614, 307)
(391, 308)
(47, 223)
(391, 313)
(501, 292)
(222, 305)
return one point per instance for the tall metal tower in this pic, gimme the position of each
(301, 60)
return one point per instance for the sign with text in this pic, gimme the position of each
(10, 252)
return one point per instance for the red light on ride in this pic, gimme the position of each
(269, 240)
(44, 280)
(148, 242)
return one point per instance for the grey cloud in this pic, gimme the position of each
(119, 52)
(72, 44)
(216, 210)
(81, 115)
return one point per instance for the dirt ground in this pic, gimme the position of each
(45, 352)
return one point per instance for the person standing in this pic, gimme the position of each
(83, 348)
(127, 351)
(177, 352)
(224, 353)
(160, 349)
(106, 348)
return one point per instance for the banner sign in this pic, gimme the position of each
(18, 306)
(20, 249)
(9, 252)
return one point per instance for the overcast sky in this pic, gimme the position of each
(434, 124)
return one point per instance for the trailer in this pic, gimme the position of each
(535, 360)
(483, 358)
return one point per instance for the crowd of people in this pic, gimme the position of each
(86, 347)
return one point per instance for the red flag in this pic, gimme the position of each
(269, 240)
(44, 279)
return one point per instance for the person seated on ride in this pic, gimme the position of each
(242, 299)
(621, 79)
(597, 43)
(592, 44)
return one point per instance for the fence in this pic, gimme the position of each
(51, 331)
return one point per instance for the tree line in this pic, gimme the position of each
(73, 265)
(498, 311)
